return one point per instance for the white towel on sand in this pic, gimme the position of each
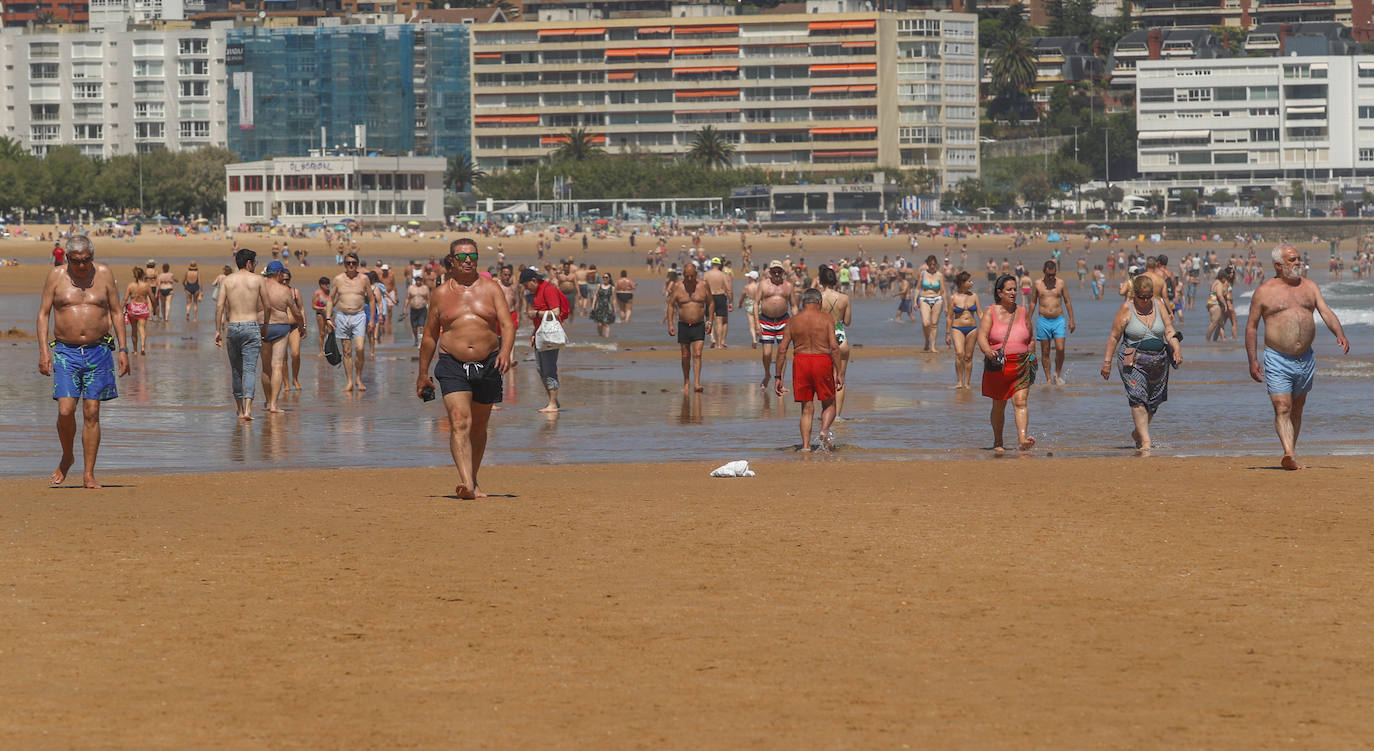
(738, 468)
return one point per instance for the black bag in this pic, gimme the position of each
(331, 349)
(996, 362)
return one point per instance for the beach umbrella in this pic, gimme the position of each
(340, 227)
(413, 223)
(347, 219)
(202, 220)
(160, 218)
(314, 225)
(109, 219)
(464, 218)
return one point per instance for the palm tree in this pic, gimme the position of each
(11, 149)
(578, 145)
(1013, 72)
(711, 148)
(462, 172)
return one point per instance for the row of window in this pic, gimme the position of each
(188, 130)
(142, 69)
(1291, 157)
(41, 92)
(351, 181)
(254, 209)
(87, 50)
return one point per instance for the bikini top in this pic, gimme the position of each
(971, 309)
(932, 286)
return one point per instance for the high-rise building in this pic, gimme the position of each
(119, 14)
(114, 92)
(1246, 14)
(398, 89)
(790, 91)
(43, 11)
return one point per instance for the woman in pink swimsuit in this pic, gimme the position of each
(1004, 332)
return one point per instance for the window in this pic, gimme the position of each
(148, 48)
(86, 51)
(1366, 112)
(1264, 135)
(233, 183)
(252, 208)
(960, 114)
(197, 110)
(961, 72)
(88, 111)
(43, 71)
(961, 93)
(961, 156)
(417, 208)
(417, 182)
(196, 46)
(41, 92)
(41, 50)
(297, 182)
(1156, 95)
(1230, 93)
(1264, 93)
(1264, 111)
(384, 183)
(86, 91)
(924, 70)
(252, 182)
(368, 207)
(88, 131)
(195, 88)
(195, 129)
(41, 133)
(329, 182)
(918, 27)
(85, 70)
(149, 110)
(960, 135)
(43, 112)
(917, 134)
(148, 69)
(961, 49)
(299, 208)
(150, 89)
(384, 207)
(193, 68)
(150, 130)
(1193, 95)
(1366, 155)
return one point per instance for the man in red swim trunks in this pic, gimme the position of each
(815, 369)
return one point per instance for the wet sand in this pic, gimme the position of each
(1086, 603)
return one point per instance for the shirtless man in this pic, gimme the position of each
(349, 292)
(906, 293)
(584, 292)
(470, 326)
(566, 279)
(239, 313)
(1285, 303)
(82, 300)
(417, 302)
(722, 291)
(1157, 277)
(1051, 295)
(515, 298)
(166, 283)
(690, 310)
(774, 301)
(138, 305)
(815, 367)
(283, 315)
(746, 300)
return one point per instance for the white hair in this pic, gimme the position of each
(1278, 252)
(80, 243)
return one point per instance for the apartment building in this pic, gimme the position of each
(120, 14)
(402, 89)
(1160, 44)
(327, 188)
(114, 92)
(1267, 120)
(1058, 60)
(1246, 14)
(43, 11)
(790, 91)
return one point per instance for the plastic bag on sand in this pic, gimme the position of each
(738, 468)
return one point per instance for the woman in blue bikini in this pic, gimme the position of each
(961, 329)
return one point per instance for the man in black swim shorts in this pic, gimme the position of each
(722, 298)
(470, 326)
(689, 317)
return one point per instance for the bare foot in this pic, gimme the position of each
(59, 475)
(1291, 464)
(1026, 443)
(297, 386)
(349, 387)
(804, 450)
(1135, 436)
(276, 410)
(463, 493)
(88, 481)
(361, 387)
(549, 408)
(685, 387)
(477, 493)
(246, 418)
(998, 450)
(699, 389)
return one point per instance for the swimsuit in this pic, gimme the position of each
(624, 297)
(748, 305)
(691, 332)
(1051, 328)
(192, 288)
(770, 328)
(84, 371)
(137, 311)
(813, 377)
(965, 329)
(481, 378)
(722, 306)
(277, 331)
(1289, 374)
(350, 325)
(165, 291)
(420, 316)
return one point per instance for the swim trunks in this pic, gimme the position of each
(277, 331)
(770, 328)
(813, 377)
(420, 316)
(1051, 328)
(722, 306)
(1287, 374)
(624, 297)
(84, 371)
(350, 325)
(904, 306)
(165, 292)
(480, 378)
(691, 332)
(583, 290)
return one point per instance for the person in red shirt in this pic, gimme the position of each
(59, 254)
(547, 298)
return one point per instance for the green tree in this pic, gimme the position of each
(1013, 73)
(116, 187)
(1093, 146)
(711, 148)
(1220, 196)
(579, 145)
(11, 149)
(462, 173)
(202, 171)
(69, 179)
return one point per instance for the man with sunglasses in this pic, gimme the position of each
(469, 324)
(82, 300)
(345, 314)
(775, 300)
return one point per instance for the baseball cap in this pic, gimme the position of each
(776, 264)
(529, 275)
(716, 260)
(274, 267)
(753, 275)
(385, 267)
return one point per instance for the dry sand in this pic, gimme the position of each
(1042, 603)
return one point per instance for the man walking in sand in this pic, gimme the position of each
(690, 309)
(1285, 304)
(417, 302)
(349, 293)
(1051, 295)
(515, 300)
(815, 366)
(774, 300)
(469, 324)
(81, 299)
(239, 313)
(722, 291)
(284, 313)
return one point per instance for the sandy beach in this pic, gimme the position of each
(1045, 603)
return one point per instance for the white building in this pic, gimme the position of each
(118, 14)
(1256, 120)
(114, 92)
(327, 189)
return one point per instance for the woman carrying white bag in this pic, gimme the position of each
(547, 313)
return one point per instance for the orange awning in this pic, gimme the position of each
(717, 69)
(841, 25)
(706, 93)
(487, 55)
(860, 24)
(507, 119)
(844, 68)
(572, 32)
(655, 29)
(859, 44)
(620, 75)
(843, 89)
(555, 140)
(842, 131)
(732, 29)
(704, 50)
(860, 154)
(640, 52)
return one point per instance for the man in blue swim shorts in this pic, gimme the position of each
(1285, 304)
(82, 301)
(1051, 296)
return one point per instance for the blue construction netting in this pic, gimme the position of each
(409, 84)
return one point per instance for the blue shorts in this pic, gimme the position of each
(1286, 374)
(83, 372)
(1051, 328)
(350, 325)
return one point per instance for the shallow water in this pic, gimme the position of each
(175, 413)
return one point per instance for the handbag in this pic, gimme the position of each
(550, 334)
(996, 362)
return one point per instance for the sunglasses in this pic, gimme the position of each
(79, 261)
(1144, 297)
(350, 263)
(465, 256)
